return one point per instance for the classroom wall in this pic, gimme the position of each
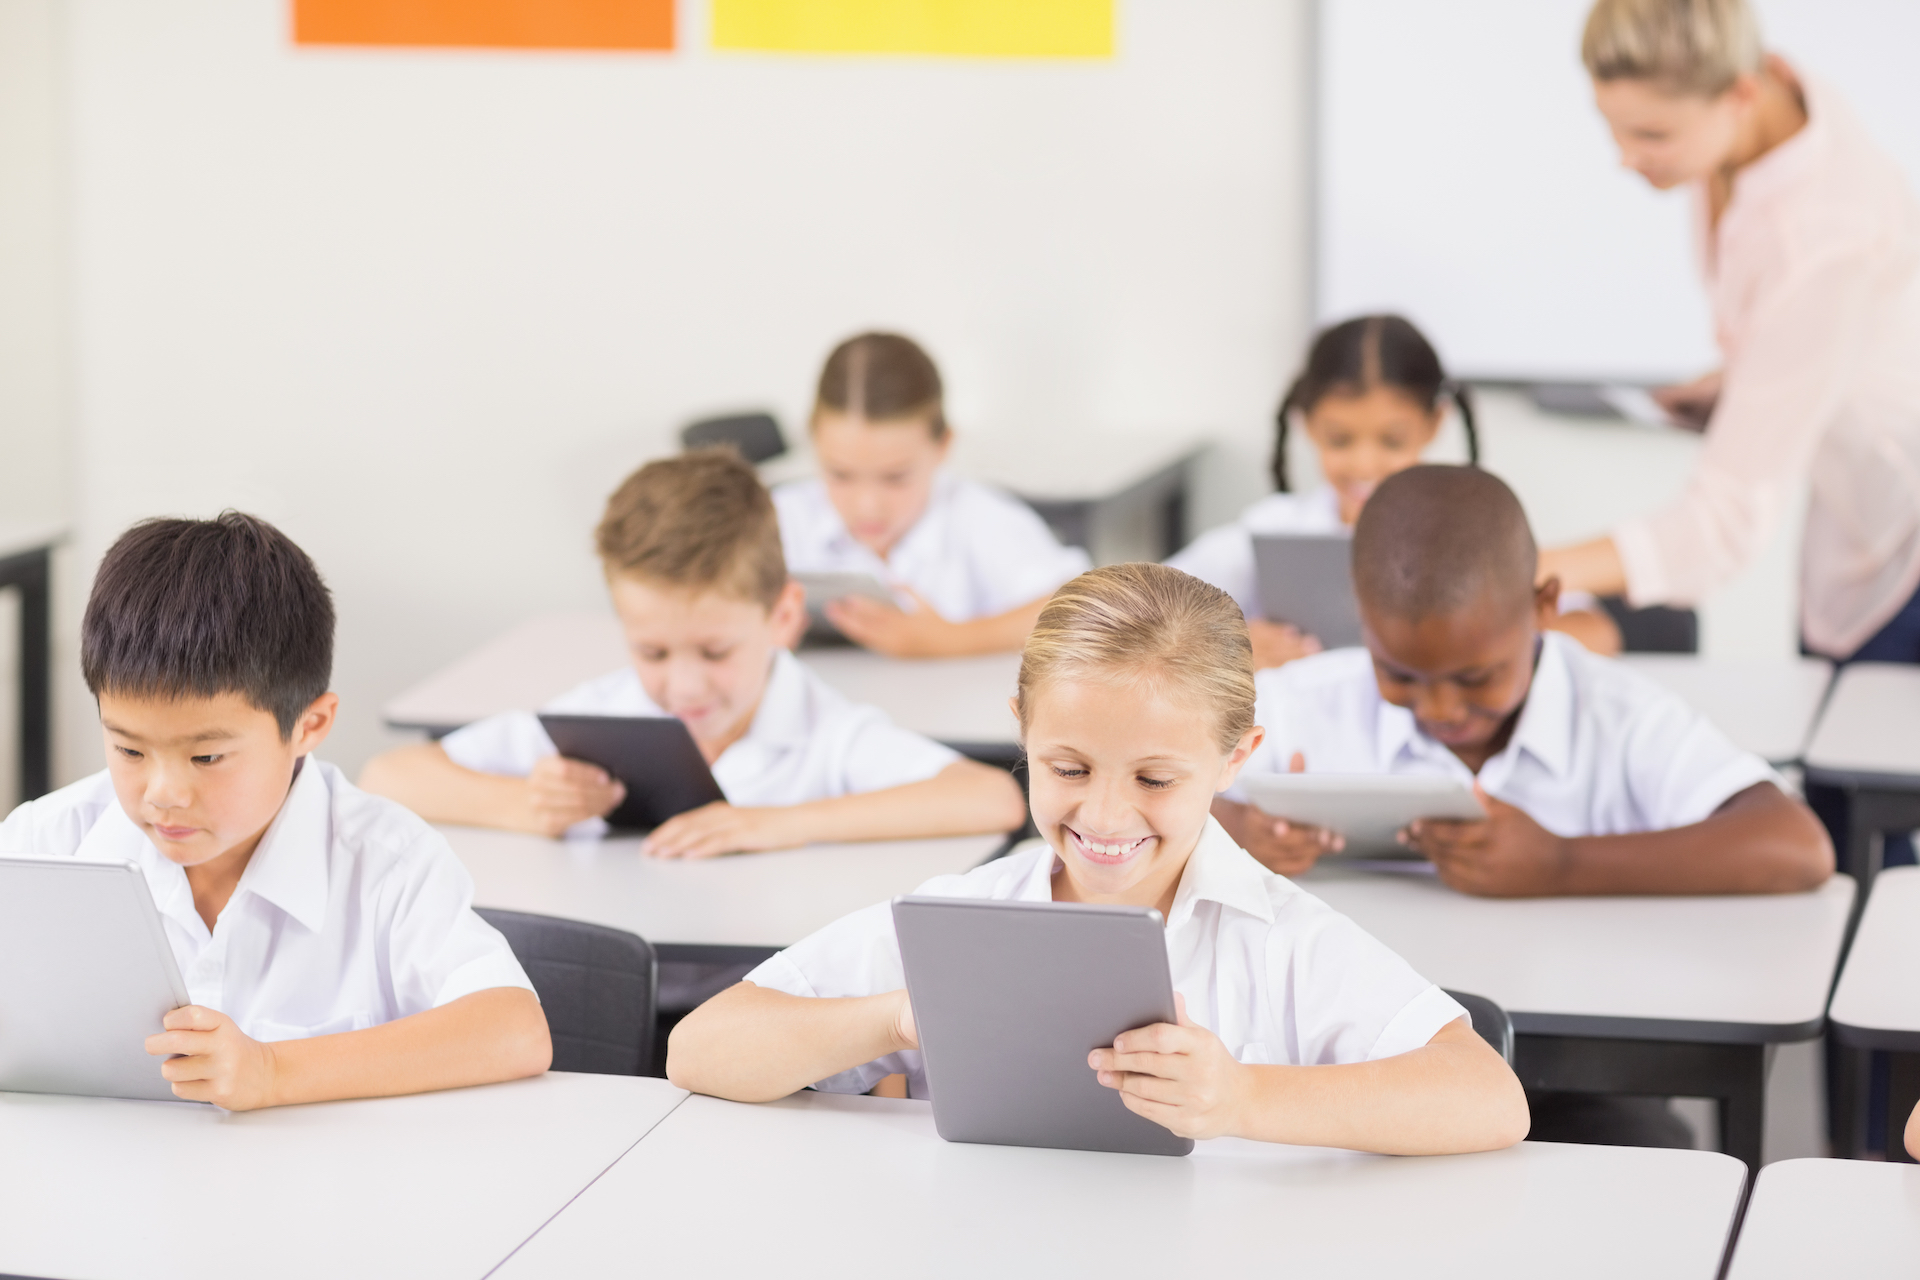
(35, 486)
(425, 308)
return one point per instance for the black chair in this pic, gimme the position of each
(596, 984)
(1655, 629)
(756, 435)
(1491, 1021)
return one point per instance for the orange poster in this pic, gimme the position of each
(494, 24)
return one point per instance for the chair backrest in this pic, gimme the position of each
(1654, 629)
(597, 986)
(1491, 1021)
(756, 435)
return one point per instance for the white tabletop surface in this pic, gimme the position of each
(441, 1184)
(1872, 722)
(748, 899)
(1747, 969)
(1843, 1218)
(1879, 988)
(1767, 708)
(829, 1185)
(948, 699)
(15, 538)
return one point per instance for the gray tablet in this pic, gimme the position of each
(1308, 581)
(654, 755)
(86, 976)
(1011, 997)
(824, 588)
(1369, 809)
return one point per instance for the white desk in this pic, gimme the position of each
(1611, 992)
(955, 700)
(26, 564)
(826, 1185)
(1767, 708)
(1876, 1004)
(1841, 1218)
(442, 1184)
(1868, 744)
(747, 900)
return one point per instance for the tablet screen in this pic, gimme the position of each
(654, 756)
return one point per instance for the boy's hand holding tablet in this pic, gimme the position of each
(561, 792)
(1505, 855)
(217, 1062)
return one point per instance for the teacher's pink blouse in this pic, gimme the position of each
(1814, 277)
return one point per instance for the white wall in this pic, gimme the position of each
(425, 308)
(35, 488)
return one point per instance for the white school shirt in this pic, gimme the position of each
(975, 552)
(352, 911)
(1224, 556)
(806, 741)
(1277, 974)
(1599, 748)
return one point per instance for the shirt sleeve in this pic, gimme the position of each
(856, 955)
(437, 948)
(1783, 387)
(55, 825)
(1224, 557)
(1341, 995)
(1016, 559)
(875, 753)
(1681, 767)
(509, 743)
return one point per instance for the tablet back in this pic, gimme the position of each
(1010, 997)
(654, 755)
(86, 976)
(1307, 580)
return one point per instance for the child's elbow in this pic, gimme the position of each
(1504, 1118)
(529, 1042)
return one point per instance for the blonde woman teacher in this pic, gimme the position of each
(1809, 241)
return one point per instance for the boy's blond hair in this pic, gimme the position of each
(1684, 47)
(1151, 624)
(699, 522)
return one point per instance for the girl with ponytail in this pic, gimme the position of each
(1371, 400)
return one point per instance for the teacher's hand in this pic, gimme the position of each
(1690, 404)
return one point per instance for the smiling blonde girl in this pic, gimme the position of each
(1136, 707)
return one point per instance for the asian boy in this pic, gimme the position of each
(326, 936)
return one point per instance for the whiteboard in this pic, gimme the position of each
(1465, 179)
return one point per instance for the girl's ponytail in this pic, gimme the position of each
(1463, 401)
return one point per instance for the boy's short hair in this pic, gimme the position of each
(1435, 539)
(198, 608)
(701, 521)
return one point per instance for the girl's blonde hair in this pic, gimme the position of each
(1682, 46)
(1150, 624)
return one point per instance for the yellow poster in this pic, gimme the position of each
(955, 28)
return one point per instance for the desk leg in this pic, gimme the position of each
(1733, 1075)
(1903, 1094)
(32, 573)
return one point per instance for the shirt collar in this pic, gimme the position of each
(1221, 871)
(1218, 871)
(289, 866)
(781, 719)
(1544, 731)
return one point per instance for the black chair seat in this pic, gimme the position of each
(597, 986)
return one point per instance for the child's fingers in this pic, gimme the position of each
(191, 1017)
(163, 1043)
(186, 1070)
(1160, 1037)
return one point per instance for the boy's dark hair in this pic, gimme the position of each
(197, 608)
(1436, 539)
(1359, 355)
